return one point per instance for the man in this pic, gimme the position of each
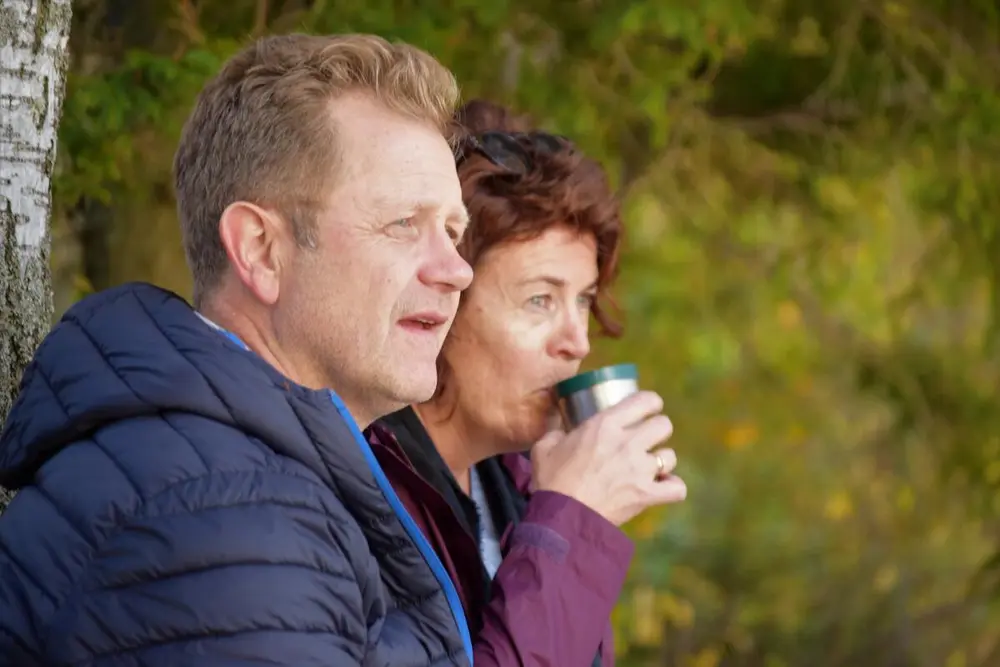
(190, 492)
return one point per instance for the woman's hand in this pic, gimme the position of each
(606, 463)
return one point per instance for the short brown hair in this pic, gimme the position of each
(558, 187)
(261, 130)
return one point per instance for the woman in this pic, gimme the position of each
(538, 563)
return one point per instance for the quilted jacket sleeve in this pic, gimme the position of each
(250, 569)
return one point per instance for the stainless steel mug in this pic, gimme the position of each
(584, 395)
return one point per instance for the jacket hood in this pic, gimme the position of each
(138, 350)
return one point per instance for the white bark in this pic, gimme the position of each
(33, 62)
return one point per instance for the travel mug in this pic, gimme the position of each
(583, 396)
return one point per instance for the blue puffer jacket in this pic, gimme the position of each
(182, 504)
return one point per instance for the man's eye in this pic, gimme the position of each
(403, 227)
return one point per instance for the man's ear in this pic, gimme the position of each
(255, 240)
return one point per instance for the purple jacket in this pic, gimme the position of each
(563, 568)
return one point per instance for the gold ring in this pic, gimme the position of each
(661, 469)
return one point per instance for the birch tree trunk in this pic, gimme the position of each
(33, 61)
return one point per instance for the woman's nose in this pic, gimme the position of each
(574, 341)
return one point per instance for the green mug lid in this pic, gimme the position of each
(595, 377)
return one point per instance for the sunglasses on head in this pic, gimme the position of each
(512, 151)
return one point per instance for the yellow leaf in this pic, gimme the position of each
(905, 499)
(886, 578)
(940, 533)
(803, 386)
(836, 193)
(796, 435)
(992, 472)
(738, 436)
(956, 659)
(707, 657)
(992, 447)
(839, 506)
(647, 626)
(789, 315)
(882, 213)
(897, 10)
(808, 39)
(621, 626)
(684, 618)
(645, 525)
(677, 611)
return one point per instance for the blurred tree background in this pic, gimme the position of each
(812, 280)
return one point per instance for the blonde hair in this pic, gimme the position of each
(261, 130)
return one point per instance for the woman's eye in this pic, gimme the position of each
(586, 301)
(540, 301)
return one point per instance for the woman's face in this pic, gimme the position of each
(522, 327)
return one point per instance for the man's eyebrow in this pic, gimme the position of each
(458, 214)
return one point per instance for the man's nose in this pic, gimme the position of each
(444, 267)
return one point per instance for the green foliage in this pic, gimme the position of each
(103, 110)
(811, 280)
